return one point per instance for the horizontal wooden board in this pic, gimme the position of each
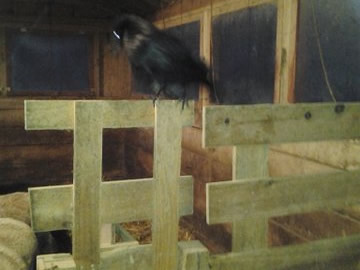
(121, 201)
(12, 155)
(59, 114)
(330, 254)
(19, 136)
(131, 256)
(268, 123)
(33, 164)
(11, 104)
(12, 118)
(236, 200)
(319, 225)
(49, 114)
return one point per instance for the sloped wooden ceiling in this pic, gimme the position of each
(42, 10)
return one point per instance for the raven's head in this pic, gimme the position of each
(130, 27)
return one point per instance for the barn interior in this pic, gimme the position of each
(259, 51)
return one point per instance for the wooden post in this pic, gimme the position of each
(3, 70)
(249, 161)
(287, 24)
(167, 152)
(87, 180)
(205, 54)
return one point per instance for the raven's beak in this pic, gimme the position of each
(116, 35)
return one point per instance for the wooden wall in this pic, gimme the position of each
(37, 158)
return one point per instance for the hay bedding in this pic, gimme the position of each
(141, 231)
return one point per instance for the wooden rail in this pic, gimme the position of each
(252, 197)
(88, 203)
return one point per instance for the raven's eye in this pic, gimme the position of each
(116, 35)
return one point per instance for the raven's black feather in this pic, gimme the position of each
(160, 61)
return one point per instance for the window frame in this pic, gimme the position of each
(286, 38)
(93, 69)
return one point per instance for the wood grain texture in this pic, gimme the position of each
(117, 73)
(265, 124)
(131, 256)
(46, 114)
(87, 181)
(229, 201)
(51, 207)
(334, 254)
(205, 54)
(249, 161)
(59, 114)
(3, 64)
(167, 158)
(11, 117)
(286, 37)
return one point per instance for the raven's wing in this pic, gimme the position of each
(166, 58)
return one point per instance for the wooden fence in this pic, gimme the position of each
(247, 201)
(252, 196)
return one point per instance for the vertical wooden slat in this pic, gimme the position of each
(3, 86)
(87, 180)
(287, 21)
(250, 161)
(167, 151)
(205, 54)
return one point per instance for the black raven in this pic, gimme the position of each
(159, 60)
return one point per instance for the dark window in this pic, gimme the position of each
(335, 65)
(244, 55)
(41, 62)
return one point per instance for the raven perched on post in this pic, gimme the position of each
(160, 61)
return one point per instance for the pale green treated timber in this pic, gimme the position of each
(87, 181)
(329, 254)
(249, 161)
(269, 123)
(49, 114)
(59, 114)
(230, 201)
(129, 256)
(167, 158)
(51, 207)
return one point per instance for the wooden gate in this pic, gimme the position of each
(247, 201)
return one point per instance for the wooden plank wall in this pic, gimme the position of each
(38, 158)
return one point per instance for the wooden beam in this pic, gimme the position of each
(87, 181)
(248, 161)
(286, 35)
(96, 64)
(51, 206)
(205, 54)
(69, 24)
(3, 64)
(59, 114)
(218, 8)
(167, 159)
(230, 201)
(131, 256)
(329, 254)
(265, 124)
(49, 114)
